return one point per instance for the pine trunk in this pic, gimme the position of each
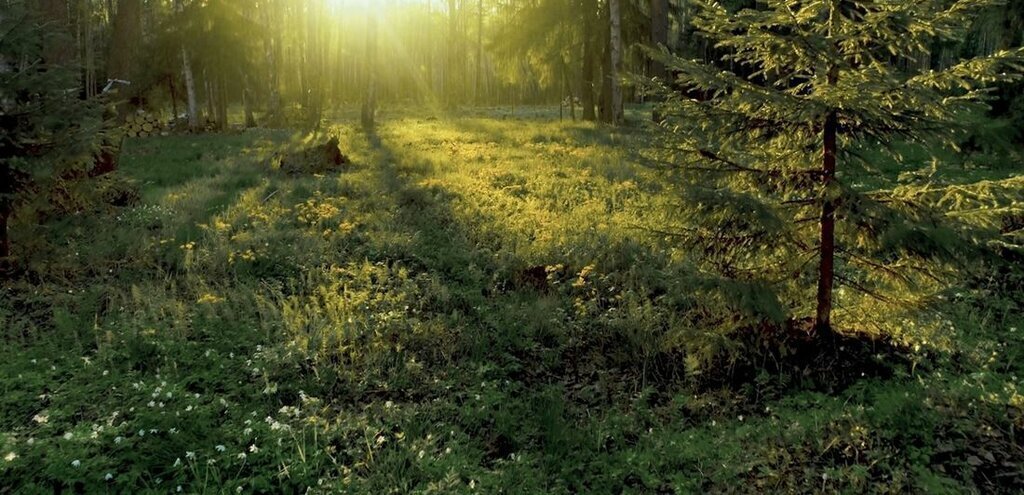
(587, 77)
(615, 45)
(479, 50)
(126, 37)
(271, 45)
(174, 97)
(89, 68)
(370, 102)
(826, 268)
(190, 90)
(222, 102)
(827, 243)
(452, 60)
(604, 104)
(58, 50)
(250, 119)
(659, 34)
(659, 38)
(211, 112)
(5, 239)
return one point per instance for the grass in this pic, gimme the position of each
(377, 331)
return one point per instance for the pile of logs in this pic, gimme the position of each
(142, 125)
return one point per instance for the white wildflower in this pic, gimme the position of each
(10, 456)
(221, 448)
(76, 463)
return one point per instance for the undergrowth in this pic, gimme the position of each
(471, 305)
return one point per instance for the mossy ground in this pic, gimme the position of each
(373, 331)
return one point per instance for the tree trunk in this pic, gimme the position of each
(126, 37)
(449, 70)
(826, 268)
(89, 66)
(190, 90)
(271, 45)
(429, 48)
(370, 102)
(479, 50)
(659, 34)
(827, 247)
(58, 48)
(222, 101)
(250, 119)
(615, 45)
(659, 38)
(587, 77)
(174, 97)
(604, 104)
(5, 239)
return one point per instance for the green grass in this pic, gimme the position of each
(370, 332)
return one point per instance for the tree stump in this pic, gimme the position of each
(313, 159)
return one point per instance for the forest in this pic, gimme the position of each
(511, 246)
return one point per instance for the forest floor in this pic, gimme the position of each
(474, 304)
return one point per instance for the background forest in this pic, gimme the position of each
(511, 246)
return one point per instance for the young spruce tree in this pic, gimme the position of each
(48, 135)
(807, 91)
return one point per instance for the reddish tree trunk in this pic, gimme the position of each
(826, 268)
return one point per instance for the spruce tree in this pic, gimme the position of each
(804, 93)
(48, 135)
